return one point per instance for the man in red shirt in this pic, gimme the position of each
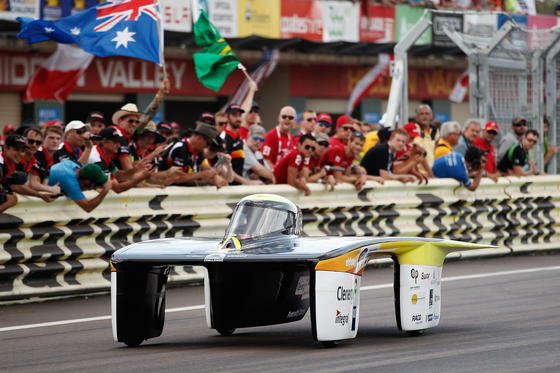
(279, 140)
(486, 143)
(324, 123)
(307, 124)
(338, 160)
(290, 168)
(344, 126)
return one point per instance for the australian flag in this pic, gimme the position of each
(115, 28)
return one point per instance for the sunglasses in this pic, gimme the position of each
(222, 123)
(324, 124)
(311, 119)
(81, 131)
(522, 124)
(309, 147)
(347, 128)
(258, 138)
(492, 133)
(133, 121)
(532, 141)
(288, 117)
(323, 143)
(36, 142)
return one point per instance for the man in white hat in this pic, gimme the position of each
(77, 145)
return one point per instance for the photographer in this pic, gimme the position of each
(455, 166)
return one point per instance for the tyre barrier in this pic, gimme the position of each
(58, 249)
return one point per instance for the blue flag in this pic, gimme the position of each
(128, 28)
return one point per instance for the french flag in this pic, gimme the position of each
(372, 77)
(58, 75)
(460, 88)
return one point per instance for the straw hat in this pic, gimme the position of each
(128, 109)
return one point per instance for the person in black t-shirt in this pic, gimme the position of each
(515, 161)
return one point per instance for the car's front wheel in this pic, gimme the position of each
(225, 332)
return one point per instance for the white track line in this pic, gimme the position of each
(198, 307)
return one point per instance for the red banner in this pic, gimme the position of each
(301, 19)
(115, 75)
(377, 23)
(331, 81)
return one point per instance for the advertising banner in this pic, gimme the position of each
(406, 18)
(177, 15)
(223, 15)
(301, 19)
(258, 17)
(11, 9)
(480, 24)
(518, 37)
(340, 21)
(442, 20)
(115, 75)
(330, 81)
(377, 23)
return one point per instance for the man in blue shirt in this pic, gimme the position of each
(455, 166)
(73, 179)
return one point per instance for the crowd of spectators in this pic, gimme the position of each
(232, 147)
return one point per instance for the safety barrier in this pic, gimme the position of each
(57, 249)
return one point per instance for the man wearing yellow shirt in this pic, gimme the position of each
(450, 133)
(428, 133)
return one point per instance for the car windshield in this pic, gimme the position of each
(252, 220)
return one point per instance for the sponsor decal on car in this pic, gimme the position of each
(344, 295)
(354, 313)
(429, 317)
(417, 318)
(302, 287)
(431, 299)
(340, 318)
(414, 275)
(425, 276)
(414, 298)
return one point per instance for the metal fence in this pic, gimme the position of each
(512, 72)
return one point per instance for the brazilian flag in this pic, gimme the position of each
(215, 61)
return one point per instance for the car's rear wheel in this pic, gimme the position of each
(225, 332)
(330, 344)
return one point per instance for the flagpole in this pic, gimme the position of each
(244, 69)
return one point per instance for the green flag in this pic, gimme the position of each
(215, 61)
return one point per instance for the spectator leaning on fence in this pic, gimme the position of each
(344, 127)
(450, 133)
(77, 145)
(339, 162)
(379, 160)
(289, 169)
(324, 124)
(455, 166)
(73, 179)
(515, 161)
(486, 144)
(52, 137)
(31, 166)
(471, 131)
(315, 172)
(518, 128)
(255, 167)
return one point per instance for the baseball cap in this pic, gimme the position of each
(164, 127)
(8, 128)
(519, 121)
(110, 133)
(232, 108)
(343, 119)
(94, 173)
(16, 141)
(74, 125)
(95, 116)
(412, 129)
(324, 117)
(206, 117)
(255, 107)
(492, 126)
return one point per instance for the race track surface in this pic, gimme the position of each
(505, 321)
